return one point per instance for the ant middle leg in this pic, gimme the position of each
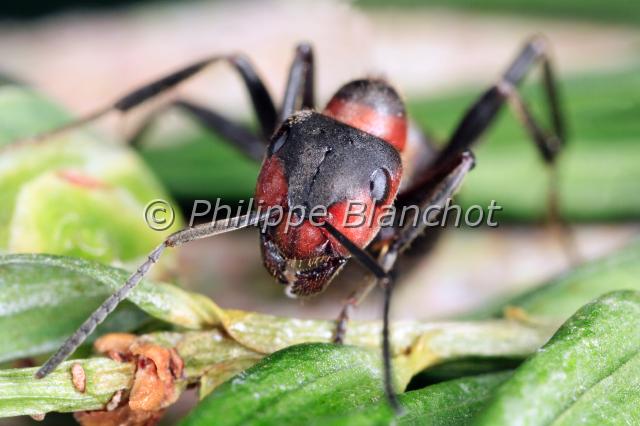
(549, 142)
(484, 111)
(349, 305)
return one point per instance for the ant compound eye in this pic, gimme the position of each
(279, 143)
(378, 184)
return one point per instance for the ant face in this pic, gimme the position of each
(316, 162)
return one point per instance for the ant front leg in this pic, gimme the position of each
(435, 193)
(108, 306)
(432, 194)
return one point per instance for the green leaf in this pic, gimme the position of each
(44, 298)
(25, 113)
(75, 194)
(588, 373)
(36, 288)
(618, 11)
(212, 357)
(21, 394)
(562, 296)
(454, 403)
(329, 384)
(293, 386)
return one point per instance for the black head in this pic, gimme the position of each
(317, 162)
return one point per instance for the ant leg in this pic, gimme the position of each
(383, 277)
(349, 305)
(484, 111)
(549, 142)
(357, 296)
(431, 197)
(174, 240)
(554, 218)
(261, 100)
(248, 143)
(439, 188)
(299, 93)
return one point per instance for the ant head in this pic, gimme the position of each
(316, 164)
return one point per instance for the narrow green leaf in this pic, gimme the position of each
(293, 386)
(36, 288)
(562, 296)
(207, 355)
(212, 357)
(44, 298)
(328, 384)
(587, 374)
(21, 394)
(615, 11)
(453, 403)
(450, 403)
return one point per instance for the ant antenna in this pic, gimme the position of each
(109, 305)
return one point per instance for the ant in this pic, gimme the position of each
(354, 149)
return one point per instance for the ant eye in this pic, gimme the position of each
(278, 143)
(378, 185)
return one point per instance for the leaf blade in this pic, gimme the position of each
(36, 288)
(589, 348)
(337, 377)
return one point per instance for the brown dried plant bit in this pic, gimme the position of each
(38, 417)
(157, 368)
(122, 416)
(516, 313)
(154, 381)
(176, 364)
(115, 345)
(148, 392)
(114, 402)
(78, 377)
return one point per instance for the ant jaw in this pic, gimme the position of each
(302, 277)
(311, 281)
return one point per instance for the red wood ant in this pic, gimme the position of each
(352, 150)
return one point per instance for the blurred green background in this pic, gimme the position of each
(620, 11)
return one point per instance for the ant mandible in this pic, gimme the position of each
(352, 150)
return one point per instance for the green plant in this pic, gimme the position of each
(252, 368)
